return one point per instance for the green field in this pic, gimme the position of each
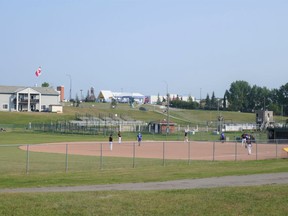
(260, 200)
(268, 200)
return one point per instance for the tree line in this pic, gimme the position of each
(243, 97)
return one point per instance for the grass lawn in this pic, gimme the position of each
(268, 200)
(259, 200)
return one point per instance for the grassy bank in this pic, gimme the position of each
(152, 113)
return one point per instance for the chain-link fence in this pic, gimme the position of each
(88, 156)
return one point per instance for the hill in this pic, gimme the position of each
(146, 113)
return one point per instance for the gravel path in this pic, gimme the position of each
(226, 181)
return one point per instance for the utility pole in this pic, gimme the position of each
(168, 124)
(167, 111)
(70, 91)
(200, 98)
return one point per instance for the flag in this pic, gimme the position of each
(38, 72)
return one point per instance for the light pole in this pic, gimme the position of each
(220, 117)
(200, 98)
(168, 102)
(70, 91)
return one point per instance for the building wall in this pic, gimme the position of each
(46, 100)
(5, 100)
(60, 89)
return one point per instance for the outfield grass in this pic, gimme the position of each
(35, 137)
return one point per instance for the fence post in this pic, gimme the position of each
(256, 150)
(134, 154)
(276, 149)
(66, 161)
(213, 150)
(101, 156)
(27, 159)
(189, 156)
(236, 152)
(163, 153)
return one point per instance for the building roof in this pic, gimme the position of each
(105, 94)
(127, 95)
(14, 89)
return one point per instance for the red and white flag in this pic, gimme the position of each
(38, 72)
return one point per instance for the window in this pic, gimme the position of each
(5, 106)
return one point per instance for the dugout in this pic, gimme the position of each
(160, 127)
(275, 133)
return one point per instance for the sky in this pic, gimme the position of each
(184, 47)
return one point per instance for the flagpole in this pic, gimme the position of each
(38, 73)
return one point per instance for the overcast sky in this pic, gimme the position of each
(191, 47)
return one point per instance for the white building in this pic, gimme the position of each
(17, 98)
(122, 97)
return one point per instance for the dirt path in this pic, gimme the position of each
(226, 181)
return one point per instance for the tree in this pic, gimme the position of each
(190, 100)
(283, 98)
(259, 99)
(184, 104)
(225, 105)
(207, 102)
(77, 101)
(238, 96)
(45, 84)
(275, 106)
(131, 102)
(87, 96)
(214, 104)
(90, 95)
(158, 100)
(113, 103)
(256, 98)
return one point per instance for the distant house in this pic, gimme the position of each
(105, 96)
(17, 98)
